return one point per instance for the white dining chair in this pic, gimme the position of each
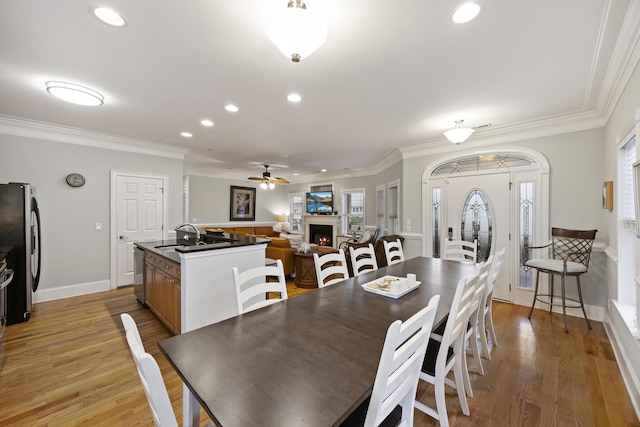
(399, 369)
(447, 354)
(253, 285)
(485, 318)
(151, 377)
(472, 331)
(393, 252)
(461, 250)
(363, 259)
(330, 268)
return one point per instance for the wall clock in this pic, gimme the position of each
(75, 180)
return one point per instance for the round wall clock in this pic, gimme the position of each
(75, 180)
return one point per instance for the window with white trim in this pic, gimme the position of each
(628, 193)
(393, 207)
(353, 211)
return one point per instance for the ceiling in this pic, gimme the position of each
(391, 76)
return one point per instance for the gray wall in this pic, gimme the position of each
(73, 252)
(575, 180)
(209, 200)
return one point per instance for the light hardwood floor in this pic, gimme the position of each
(70, 366)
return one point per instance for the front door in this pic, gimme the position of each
(477, 208)
(139, 212)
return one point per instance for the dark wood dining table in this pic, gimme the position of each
(308, 361)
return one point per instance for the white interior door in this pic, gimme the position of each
(139, 212)
(483, 200)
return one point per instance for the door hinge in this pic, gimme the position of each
(509, 236)
(509, 287)
(510, 184)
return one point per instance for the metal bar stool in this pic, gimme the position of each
(571, 251)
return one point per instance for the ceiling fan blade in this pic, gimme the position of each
(255, 178)
(280, 180)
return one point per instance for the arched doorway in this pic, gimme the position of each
(498, 196)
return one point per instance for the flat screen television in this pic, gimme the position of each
(320, 202)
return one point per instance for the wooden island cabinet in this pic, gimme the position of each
(191, 286)
(162, 289)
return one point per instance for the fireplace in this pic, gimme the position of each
(328, 229)
(321, 234)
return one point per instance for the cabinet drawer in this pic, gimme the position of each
(171, 268)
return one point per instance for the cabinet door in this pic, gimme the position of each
(173, 304)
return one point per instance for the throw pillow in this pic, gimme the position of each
(365, 237)
(285, 227)
(278, 227)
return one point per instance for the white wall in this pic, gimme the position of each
(73, 252)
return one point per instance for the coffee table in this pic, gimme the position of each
(305, 268)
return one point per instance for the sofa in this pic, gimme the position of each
(258, 230)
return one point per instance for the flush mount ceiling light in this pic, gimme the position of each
(465, 13)
(459, 133)
(109, 16)
(294, 97)
(295, 31)
(75, 94)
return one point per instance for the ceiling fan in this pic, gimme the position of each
(266, 181)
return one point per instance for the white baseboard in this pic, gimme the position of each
(629, 376)
(61, 292)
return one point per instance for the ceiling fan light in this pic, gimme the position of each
(271, 186)
(264, 185)
(295, 31)
(74, 93)
(459, 133)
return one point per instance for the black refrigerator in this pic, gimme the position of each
(20, 232)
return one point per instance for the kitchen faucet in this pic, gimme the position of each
(186, 236)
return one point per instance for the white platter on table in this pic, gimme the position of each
(377, 287)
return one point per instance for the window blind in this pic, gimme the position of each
(629, 152)
(380, 208)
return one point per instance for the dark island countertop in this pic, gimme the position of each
(172, 248)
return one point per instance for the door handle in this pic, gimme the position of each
(123, 237)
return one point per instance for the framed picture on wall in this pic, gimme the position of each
(636, 182)
(242, 204)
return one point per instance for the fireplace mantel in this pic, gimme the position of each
(333, 220)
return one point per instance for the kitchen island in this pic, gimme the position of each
(191, 285)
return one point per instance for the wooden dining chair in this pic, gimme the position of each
(393, 252)
(253, 285)
(461, 250)
(485, 318)
(447, 354)
(398, 373)
(363, 259)
(151, 377)
(330, 268)
(570, 255)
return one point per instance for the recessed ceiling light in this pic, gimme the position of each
(109, 16)
(74, 93)
(231, 108)
(206, 122)
(323, 170)
(187, 134)
(294, 97)
(295, 174)
(466, 13)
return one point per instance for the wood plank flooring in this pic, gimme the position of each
(70, 366)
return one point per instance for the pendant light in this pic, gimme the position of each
(295, 31)
(459, 133)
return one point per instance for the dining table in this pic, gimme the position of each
(310, 360)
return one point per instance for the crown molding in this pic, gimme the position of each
(624, 60)
(48, 132)
(520, 131)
